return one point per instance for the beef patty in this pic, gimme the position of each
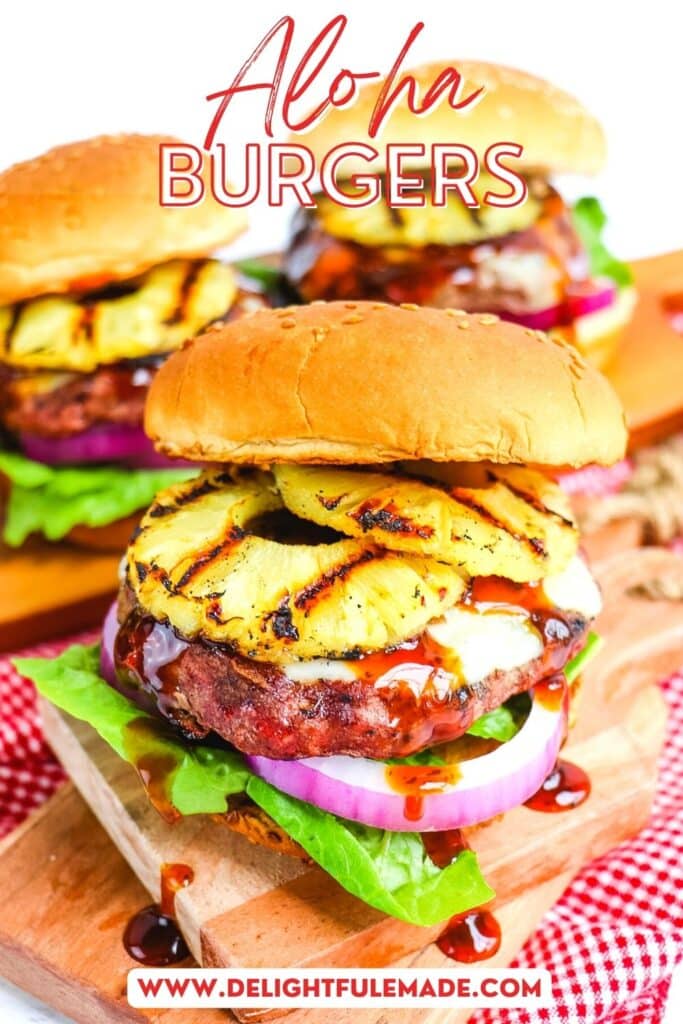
(207, 690)
(516, 273)
(52, 405)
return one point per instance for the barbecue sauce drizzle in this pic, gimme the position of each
(152, 936)
(566, 787)
(468, 937)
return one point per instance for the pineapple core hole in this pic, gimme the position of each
(285, 528)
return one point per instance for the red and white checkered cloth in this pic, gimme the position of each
(610, 943)
(612, 940)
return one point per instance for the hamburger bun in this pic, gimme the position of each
(88, 213)
(366, 382)
(557, 132)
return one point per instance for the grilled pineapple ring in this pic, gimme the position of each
(194, 564)
(150, 316)
(508, 521)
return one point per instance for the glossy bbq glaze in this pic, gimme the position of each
(385, 705)
(152, 936)
(443, 848)
(322, 266)
(566, 787)
(553, 624)
(469, 938)
(417, 781)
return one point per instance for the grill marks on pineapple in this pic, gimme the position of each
(184, 293)
(529, 498)
(157, 304)
(12, 326)
(387, 516)
(322, 586)
(535, 544)
(212, 554)
(214, 557)
(497, 525)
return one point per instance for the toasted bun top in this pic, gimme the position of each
(87, 213)
(365, 382)
(557, 132)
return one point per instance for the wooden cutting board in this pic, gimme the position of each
(64, 916)
(68, 893)
(54, 589)
(647, 370)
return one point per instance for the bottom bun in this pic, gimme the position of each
(247, 818)
(112, 537)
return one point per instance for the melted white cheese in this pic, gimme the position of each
(574, 590)
(482, 637)
(320, 668)
(487, 637)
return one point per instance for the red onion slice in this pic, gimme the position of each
(357, 788)
(589, 296)
(114, 443)
(581, 298)
(110, 628)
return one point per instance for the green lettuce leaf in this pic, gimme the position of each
(201, 777)
(389, 870)
(264, 273)
(589, 220)
(575, 667)
(503, 722)
(53, 499)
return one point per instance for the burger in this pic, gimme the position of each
(98, 283)
(360, 627)
(541, 264)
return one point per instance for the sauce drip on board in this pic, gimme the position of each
(416, 781)
(471, 937)
(152, 936)
(566, 787)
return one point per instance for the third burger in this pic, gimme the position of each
(541, 264)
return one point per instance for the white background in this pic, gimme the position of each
(73, 69)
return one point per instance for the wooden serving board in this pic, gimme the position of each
(68, 893)
(647, 369)
(251, 907)
(51, 590)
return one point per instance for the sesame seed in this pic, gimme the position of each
(352, 320)
(487, 319)
(463, 324)
(409, 305)
(350, 305)
(288, 323)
